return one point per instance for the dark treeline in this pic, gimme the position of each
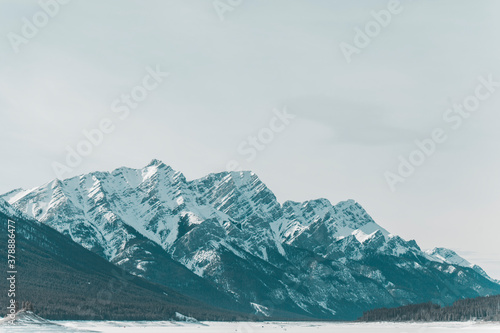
(481, 308)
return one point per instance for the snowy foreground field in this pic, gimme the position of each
(154, 327)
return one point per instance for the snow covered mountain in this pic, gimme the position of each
(291, 260)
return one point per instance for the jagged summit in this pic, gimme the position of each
(449, 256)
(155, 162)
(12, 193)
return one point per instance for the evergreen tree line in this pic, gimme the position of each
(481, 308)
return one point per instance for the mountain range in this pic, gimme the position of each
(225, 240)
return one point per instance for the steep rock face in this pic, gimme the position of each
(97, 212)
(296, 260)
(318, 225)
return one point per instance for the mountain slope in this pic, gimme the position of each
(291, 260)
(65, 281)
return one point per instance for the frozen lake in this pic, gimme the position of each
(153, 327)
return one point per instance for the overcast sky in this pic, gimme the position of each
(232, 68)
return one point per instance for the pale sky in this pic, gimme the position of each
(352, 120)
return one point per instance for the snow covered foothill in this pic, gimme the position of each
(27, 321)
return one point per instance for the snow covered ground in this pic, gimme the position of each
(154, 327)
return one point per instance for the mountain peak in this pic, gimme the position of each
(448, 256)
(156, 163)
(347, 204)
(56, 183)
(7, 196)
